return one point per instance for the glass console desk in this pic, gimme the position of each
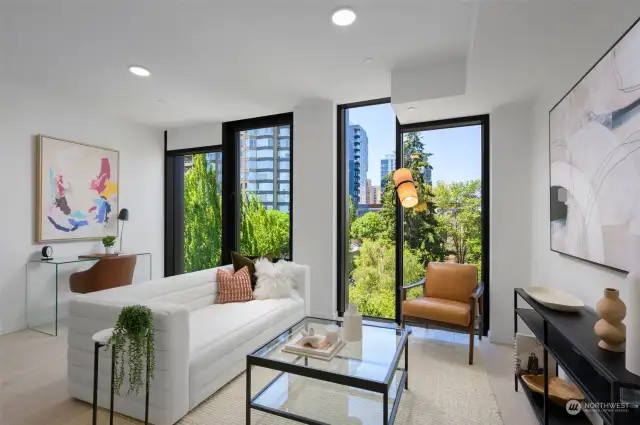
(46, 293)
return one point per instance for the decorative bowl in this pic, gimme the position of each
(560, 391)
(554, 299)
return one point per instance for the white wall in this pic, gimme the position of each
(315, 198)
(25, 113)
(207, 134)
(584, 280)
(510, 213)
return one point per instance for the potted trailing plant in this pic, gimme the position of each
(133, 336)
(108, 242)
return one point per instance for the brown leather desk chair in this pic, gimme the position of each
(451, 294)
(108, 272)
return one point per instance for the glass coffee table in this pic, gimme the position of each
(362, 384)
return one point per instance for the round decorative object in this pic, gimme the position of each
(47, 252)
(609, 328)
(554, 299)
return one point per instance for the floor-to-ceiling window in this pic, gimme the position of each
(367, 150)
(195, 210)
(265, 183)
(231, 197)
(257, 175)
(448, 161)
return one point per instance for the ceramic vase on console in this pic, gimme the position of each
(609, 328)
(632, 357)
(352, 324)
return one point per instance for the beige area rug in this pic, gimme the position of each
(443, 389)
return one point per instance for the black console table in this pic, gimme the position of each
(570, 339)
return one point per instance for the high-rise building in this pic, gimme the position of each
(364, 193)
(427, 175)
(357, 159)
(265, 165)
(375, 195)
(387, 166)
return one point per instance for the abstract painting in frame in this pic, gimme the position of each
(594, 161)
(77, 190)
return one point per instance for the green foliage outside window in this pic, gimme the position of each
(262, 231)
(448, 228)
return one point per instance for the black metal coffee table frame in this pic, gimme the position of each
(381, 387)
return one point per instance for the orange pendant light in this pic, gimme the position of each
(405, 187)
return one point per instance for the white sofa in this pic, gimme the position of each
(200, 345)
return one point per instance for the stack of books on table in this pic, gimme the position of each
(326, 350)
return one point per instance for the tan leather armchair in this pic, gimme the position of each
(108, 272)
(452, 299)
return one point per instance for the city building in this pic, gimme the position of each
(265, 156)
(387, 166)
(427, 175)
(357, 159)
(364, 192)
(374, 194)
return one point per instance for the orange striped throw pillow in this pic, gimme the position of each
(234, 287)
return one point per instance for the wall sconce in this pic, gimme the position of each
(405, 188)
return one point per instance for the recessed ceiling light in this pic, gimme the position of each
(411, 108)
(160, 101)
(140, 71)
(368, 60)
(343, 16)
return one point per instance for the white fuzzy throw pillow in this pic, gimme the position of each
(275, 280)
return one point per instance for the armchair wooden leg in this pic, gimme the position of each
(471, 338)
(404, 322)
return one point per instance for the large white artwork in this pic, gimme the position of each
(594, 135)
(77, 188)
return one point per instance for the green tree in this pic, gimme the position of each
(369, 226)
(374, 279)
(262, 231)
(202, 217)
(421, 229)
(458, 208)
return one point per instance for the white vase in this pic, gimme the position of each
(632, 356)
(108, 250)
(352, 324)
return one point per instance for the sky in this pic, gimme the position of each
(456, 151)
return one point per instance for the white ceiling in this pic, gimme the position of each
(225, 60)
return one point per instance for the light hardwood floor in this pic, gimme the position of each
(33, 388)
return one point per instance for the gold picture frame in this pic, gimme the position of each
(79, 199)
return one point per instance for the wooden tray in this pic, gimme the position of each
(560, 391)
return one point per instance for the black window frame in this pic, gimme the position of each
(174, 204)
(342, 205)
(231, 177)
(484, 122)
(342, 209)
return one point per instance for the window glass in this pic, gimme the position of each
(261, 185)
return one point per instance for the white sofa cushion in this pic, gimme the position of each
(219, 328)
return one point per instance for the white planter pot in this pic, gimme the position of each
(632, 356)
(108, 250)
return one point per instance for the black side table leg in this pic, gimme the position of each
(406, 363)
(248, 406)
(113, 376)
(95, 383)
(146, 402)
